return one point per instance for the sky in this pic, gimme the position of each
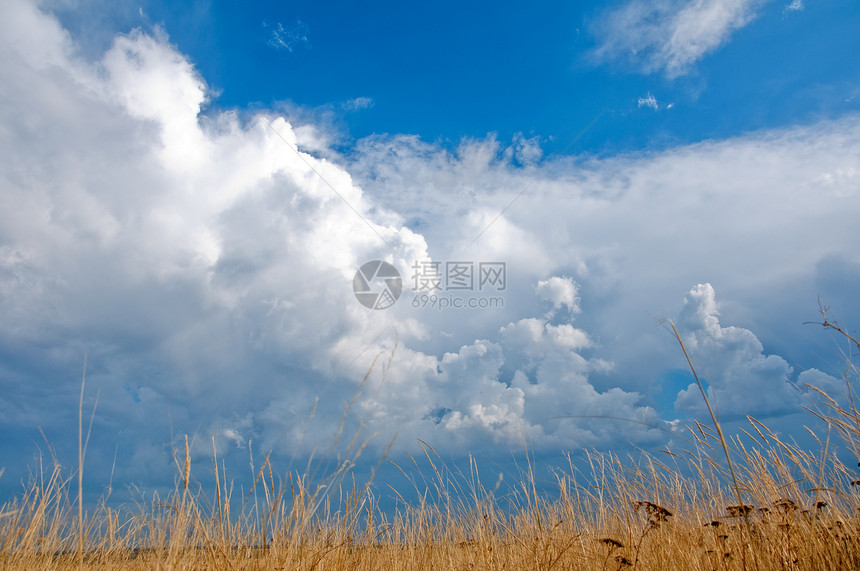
(190, 195)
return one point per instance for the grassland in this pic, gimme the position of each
(751, 501)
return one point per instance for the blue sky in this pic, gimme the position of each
(186, 194)
(447, 70)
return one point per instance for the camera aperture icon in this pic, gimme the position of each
(377, 285)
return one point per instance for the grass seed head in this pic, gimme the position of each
(785, 505)
(740, 510)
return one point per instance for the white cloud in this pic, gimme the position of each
(152, 81)
(741, 378)
(39, 42)
(286, 38)
(841, 182)
(525, 151)
(206, 263)
(562, 292)
(649, 101)
(226, 254)
(670, 35)
(633, 231)
(359, 103)
(795, 6)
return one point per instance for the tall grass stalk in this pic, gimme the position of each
(714, 418)
(81, 467)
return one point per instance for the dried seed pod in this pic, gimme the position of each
(740, 510)
(655, 512)
(614, 543)
(785, 505)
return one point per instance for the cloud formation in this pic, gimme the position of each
(204, 261)
(795, 6)
(732, 360)
(286, 38)
(649, 101)
(670, 36)
(561, 292)
(359, 103)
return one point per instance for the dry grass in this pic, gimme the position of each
(748, 502)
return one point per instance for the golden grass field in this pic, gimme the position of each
(769, 506)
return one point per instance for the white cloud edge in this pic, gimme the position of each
(670, 36)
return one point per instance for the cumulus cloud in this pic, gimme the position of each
(632, 231)
(742, 379)
(171, 247)
(670, 36)
(525, 151)
(205, 264)
(562, 292)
